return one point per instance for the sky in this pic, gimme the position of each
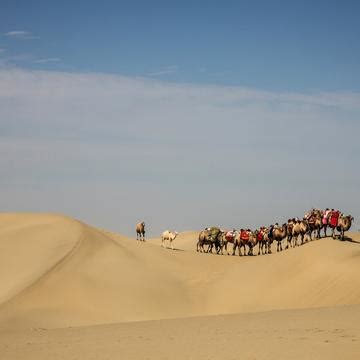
(181, 114)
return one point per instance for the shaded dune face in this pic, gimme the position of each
(59, 272)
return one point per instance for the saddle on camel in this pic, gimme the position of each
(260, 235)
(334, 218)
(245, 235)
(326, 216)
(230, 236)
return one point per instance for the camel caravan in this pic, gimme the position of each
(295, 232)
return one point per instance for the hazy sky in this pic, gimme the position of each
(231, 113)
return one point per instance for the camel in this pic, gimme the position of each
(202, 240)
(206, 238)
(300, 227)
(268, 240)
(325, 220)
(315, 222)
(279, 234)
(245, 238)
(263, 240)
(229, 237)
(344, 224)
(168, 236)
(290, 226)
(140, 231)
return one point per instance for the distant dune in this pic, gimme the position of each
(56, 272)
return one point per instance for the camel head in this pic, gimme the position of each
(350, 218)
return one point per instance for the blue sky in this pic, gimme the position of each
(184, 115)
(273, 45)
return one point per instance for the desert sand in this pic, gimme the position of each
(71, 291)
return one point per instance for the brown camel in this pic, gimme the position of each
(315, 222)
(263, 241)
(140, 231)
(290, 226)
(245, 238)
(300, 228)
(279, 234)
(229, 237)
(325, 220)
(206, 238)
(343, 225)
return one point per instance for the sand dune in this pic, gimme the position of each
(58, 272)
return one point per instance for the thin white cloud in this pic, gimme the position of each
(20, 34)
(2, 50)
(47, 60)
(167, 70)
(70, 141)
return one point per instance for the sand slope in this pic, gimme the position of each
(58, 272)
(322, 333)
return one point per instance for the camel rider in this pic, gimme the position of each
(271, 229)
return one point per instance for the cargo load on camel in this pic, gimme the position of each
(214, 233)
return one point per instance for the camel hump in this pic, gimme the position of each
(140, 226)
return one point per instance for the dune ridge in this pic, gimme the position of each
(57, 272)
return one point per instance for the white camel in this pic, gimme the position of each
(169, 236)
